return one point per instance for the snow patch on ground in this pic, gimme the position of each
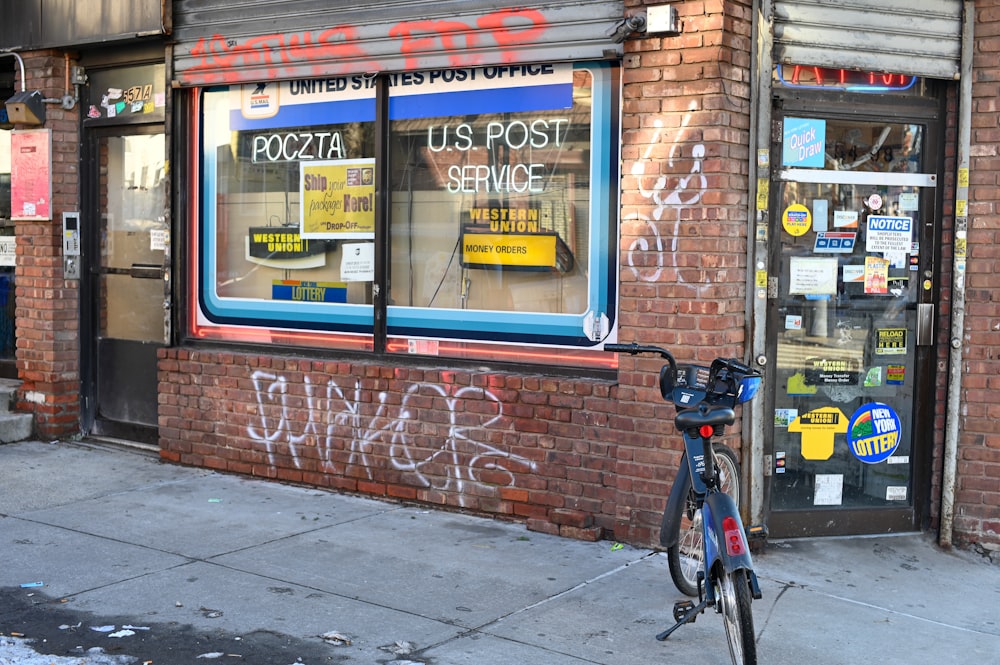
(17, 651)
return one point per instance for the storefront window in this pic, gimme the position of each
(500, 228)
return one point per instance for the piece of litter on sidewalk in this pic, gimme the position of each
(616, 547)
(102, 629)
(211, 654)
(215, 500)
(336, 639)
(122, 633)
(128, 627)
(32, 585)
(399, 648)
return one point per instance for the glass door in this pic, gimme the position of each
(129, 280)
(852, 247)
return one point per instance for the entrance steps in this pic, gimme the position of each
(13, 426)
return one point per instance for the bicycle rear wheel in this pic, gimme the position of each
(687, 557)
(733, 596)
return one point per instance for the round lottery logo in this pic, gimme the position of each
(797, 219)
(873, 433)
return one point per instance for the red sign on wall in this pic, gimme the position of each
(31, 174)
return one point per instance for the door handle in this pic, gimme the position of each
(925, 324)
(146, 271)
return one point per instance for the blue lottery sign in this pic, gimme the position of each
(873, 433)
(804, 142)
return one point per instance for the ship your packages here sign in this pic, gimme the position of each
(338, 199)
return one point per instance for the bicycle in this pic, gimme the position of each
(723, 574)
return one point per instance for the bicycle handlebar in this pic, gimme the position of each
(634, 349)
(720, 381)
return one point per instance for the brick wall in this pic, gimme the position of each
(582, 458)
(47, 314)
(527, 447)
(977, 508)
(683, 234)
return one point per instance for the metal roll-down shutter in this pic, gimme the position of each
(234, 41)
(917, 37)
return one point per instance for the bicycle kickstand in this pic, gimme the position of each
(684, 612)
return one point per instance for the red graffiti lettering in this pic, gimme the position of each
(507, 36)
(430, 36)
(222, 60)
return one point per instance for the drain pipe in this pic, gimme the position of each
(953, 410)
(755, 465)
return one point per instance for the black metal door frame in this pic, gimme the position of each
(96, 373)
(931, 114)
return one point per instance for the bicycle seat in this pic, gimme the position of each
(704, 415)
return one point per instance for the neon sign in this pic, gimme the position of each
(805, 76)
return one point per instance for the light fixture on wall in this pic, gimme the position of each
(656, 20)
(25, 107)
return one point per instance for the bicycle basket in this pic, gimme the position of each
(732, 383)
(687, 388)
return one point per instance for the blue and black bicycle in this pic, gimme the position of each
(707, 546)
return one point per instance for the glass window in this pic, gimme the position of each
(500, 228)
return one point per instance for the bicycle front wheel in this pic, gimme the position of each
(733, 596)
(687, 557)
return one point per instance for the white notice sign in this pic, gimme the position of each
(829, 489)
(358, 262)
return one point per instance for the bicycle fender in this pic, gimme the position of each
(720, 505)
(670, 525)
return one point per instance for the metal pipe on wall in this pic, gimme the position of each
(755, 430)
(952, 412)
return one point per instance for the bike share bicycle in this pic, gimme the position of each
(712, 560)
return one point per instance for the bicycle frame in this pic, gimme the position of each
(705, 398)
(716, 507)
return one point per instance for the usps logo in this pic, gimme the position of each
(260, 100)
(835, 242)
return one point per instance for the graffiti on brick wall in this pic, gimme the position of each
(667, 193)
(349, 434)
(283, 54)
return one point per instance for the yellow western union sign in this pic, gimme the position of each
(514, 250)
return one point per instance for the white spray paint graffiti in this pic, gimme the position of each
(335, 416)
(686, 193)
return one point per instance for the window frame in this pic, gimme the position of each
(377, 326)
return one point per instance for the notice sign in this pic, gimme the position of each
(338, 199)
(358, 262)
(8, 251)
(811, 275)
(889, 234)
(804, 142)
(31, 174)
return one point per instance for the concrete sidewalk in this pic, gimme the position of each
(223, 564)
